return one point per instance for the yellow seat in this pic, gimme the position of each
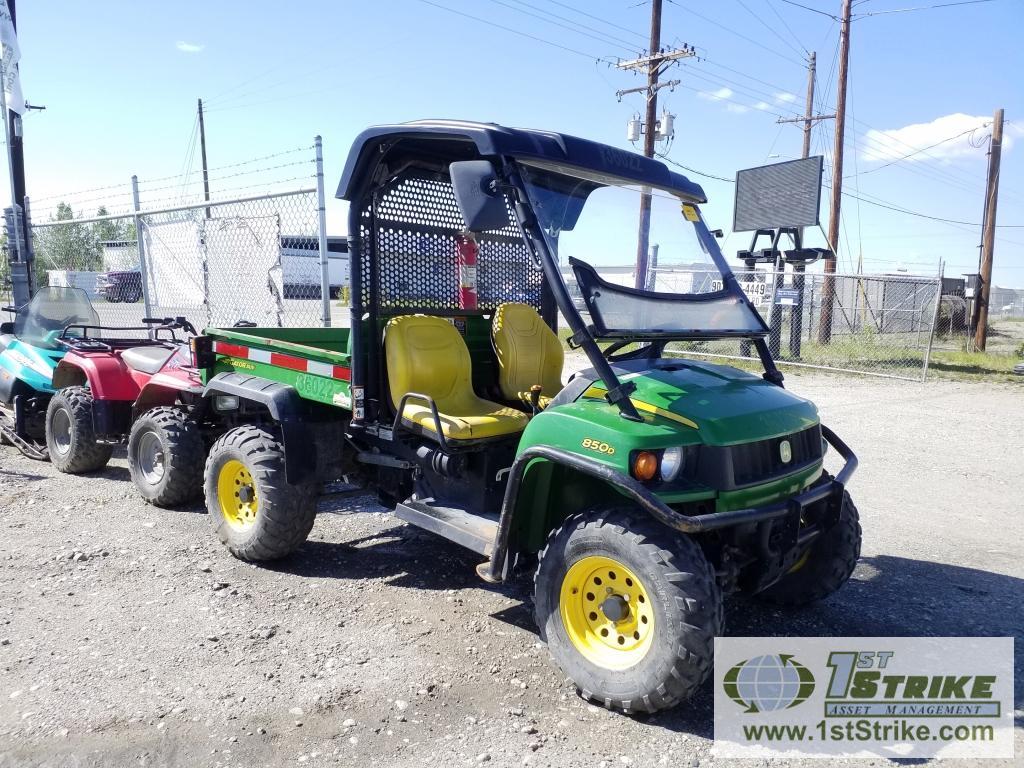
(528, 353)
(428, 356)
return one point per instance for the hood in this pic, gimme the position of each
(725, 404)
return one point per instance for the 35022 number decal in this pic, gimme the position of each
(597, 445)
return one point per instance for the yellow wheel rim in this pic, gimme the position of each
(236, 492)
(607, 612)
(801, 562)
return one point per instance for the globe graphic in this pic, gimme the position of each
(769, 683)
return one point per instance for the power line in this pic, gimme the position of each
(668, 159)
(746, 90)
(768, 27)
(907, 211)
(916, 152)
(731, 31)
(779, 16)
(919, 8)
(576, 24)
(814, 10)
(598, 18)
(565, 48)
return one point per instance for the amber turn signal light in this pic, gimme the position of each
(645, 466)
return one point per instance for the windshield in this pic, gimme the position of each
(590, 221)
(51, 310)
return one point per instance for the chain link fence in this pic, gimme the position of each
(260, 258)
(878, 324)
(254, 260)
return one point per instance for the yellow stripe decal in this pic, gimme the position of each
(640, 405)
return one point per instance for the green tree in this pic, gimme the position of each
(69, 246)
(115, 230)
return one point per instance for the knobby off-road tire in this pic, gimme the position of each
(827, 565)
(256, 514)
(69, 433)
(165, 457)
(673, 609)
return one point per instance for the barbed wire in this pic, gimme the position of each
(212, 179)
(232, 165)
(197, 197)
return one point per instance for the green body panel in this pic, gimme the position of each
(700, 403)
(321, 389)
(728, 405)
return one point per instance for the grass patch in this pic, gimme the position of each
(974, 366)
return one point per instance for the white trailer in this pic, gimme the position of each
(300, 266)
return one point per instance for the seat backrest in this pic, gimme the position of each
(426, 355)
(528, 352)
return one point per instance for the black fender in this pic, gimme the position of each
(286, 407)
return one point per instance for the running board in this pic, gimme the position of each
(464, 528)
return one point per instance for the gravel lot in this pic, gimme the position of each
(128, 636)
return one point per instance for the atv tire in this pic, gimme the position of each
(69, 433)
(628, 608)
(255, 513)
(165, 457)
(825, 567)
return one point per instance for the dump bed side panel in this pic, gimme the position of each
(318, 374)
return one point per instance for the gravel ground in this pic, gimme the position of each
(128, 636)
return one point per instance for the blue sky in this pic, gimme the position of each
(120, 86)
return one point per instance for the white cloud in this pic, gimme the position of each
(783, 97)
(739, 109)
(719, 95)
(937, 137)
(185, 47)
(762, 105)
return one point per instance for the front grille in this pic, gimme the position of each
(762, 460)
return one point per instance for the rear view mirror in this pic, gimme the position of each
(482, 206)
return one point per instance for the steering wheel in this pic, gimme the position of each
(648, 351)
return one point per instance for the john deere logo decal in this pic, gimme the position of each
(769, 683)
(785, 452)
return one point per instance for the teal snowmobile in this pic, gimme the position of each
(30, 348)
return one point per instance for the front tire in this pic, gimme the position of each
(254, 512)
(69, 433)
(628, 608)
(825, 567)
(165, 457)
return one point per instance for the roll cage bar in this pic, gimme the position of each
(381, 154)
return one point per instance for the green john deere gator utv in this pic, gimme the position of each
(646, 487)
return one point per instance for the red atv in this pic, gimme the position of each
(113, 389)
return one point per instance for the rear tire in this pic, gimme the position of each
(165, 457)
(628, 608)
(825, 567)
(255, 513)
(69, 433)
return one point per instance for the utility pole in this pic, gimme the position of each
(809, 119)
(21, 275)
(828, 288)
(202, 147)
(654, 64)
(984, 291)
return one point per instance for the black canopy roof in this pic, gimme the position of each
(492, 140)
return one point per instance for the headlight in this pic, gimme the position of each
(672, 461)
(225, 403)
